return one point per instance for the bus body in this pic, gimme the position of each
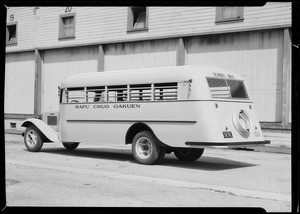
(183, 108)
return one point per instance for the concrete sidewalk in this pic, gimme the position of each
(280, 141)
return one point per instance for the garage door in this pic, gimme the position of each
(19, 83)
(255, 55)
(62, 63)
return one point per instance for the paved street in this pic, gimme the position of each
(105, 176)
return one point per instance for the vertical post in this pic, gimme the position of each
(152, 92)
(106, 98)
(286, 77)
(101, 58)
(128, 93)
(38, 83)
(181, 52)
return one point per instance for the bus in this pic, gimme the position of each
(182, 109)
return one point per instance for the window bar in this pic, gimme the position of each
(228, 88)
(105, 94)
(67, 95)
(86, 95)
(128, 93)
(152, 91)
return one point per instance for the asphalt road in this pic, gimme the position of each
(105, 176)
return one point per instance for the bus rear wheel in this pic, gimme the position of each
(145, 149)
(70, 146)
(33, 138)
(188, 154)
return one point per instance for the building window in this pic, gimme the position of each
(229, 14)
(66, 26)
(137, 18)
(11, 33)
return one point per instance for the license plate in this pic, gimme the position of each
(227, 135)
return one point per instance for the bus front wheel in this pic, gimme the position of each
(33, 139)
(188, 154)
(146, 150)
(70, 146)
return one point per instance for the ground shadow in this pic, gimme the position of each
(204, 163)
(207, 163)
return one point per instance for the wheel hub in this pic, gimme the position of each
(144, 148)
(31, 138)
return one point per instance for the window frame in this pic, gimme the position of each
(228, 88)
(221, 19)
(150, 92)
(61, 29)
(130, 20)
(7, 34)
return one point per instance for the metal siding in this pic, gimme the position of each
(109, 24)
(158, 53)
(256, 56)
(59, 64)
(26, 27)
(19, 83)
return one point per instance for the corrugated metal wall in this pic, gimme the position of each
(148, 54)
(256, 55)
(19, 83)
(61, 63)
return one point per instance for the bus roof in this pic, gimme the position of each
(145, 75)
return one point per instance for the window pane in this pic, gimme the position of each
(117, 93)
(76, 95)
(138, 17)
(230, 12)
(141, 21)
(237, 89)
(12, 33)
(140, 92)
(165, 91)
(226, 88)
(67, 21)
(69, 31)
(67, 26)
(96, 94)
(218, 88)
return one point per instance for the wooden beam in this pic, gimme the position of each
(181, 52)
(17, 116)
(38, 83)
(286, 77)
(101, 58)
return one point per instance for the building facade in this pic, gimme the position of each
(47, 44)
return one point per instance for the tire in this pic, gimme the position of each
(145, 149)
(33, 139)
(70, 146)
(188, 154)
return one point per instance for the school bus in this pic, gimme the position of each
(182, 109)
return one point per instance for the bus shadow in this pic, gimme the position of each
(203, 163)
(206, 163)
(95, 153)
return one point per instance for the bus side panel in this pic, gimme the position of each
(109, 122)
(213, 118)
(174, 123)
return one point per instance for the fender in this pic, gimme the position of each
(43, 127)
